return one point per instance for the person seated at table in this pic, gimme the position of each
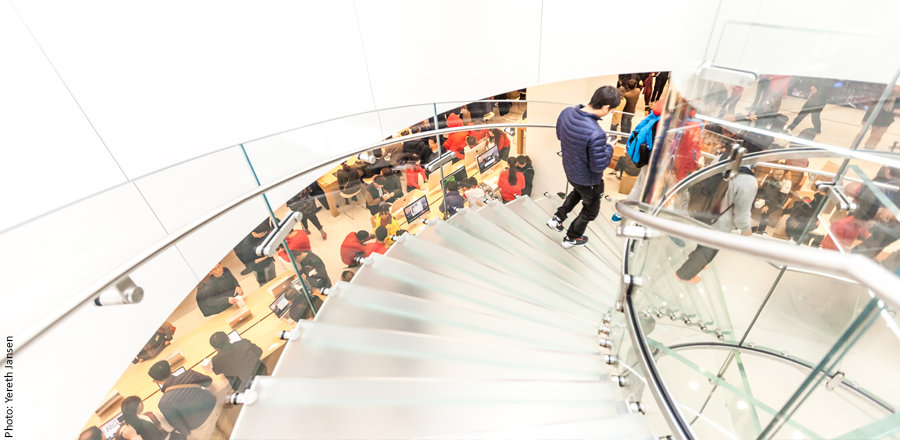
(299, 308)
(472, 193)
(501, 140)
(354, 246)
(392, 182)
(218, 291)
(848, 229)
(159, 341)
(379, 246)
(511, 183)
(384, 218)
(431, 153)
(349, 179)
(261, 265)
(238, 361)
(523, 165)
(137, 424)
(453, 201)
(376, 194)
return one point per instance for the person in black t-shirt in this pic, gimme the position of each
(218, 291)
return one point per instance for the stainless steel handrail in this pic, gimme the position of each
(38, 327)
(883, 284)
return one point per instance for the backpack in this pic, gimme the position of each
(705, 201)
(640, 143)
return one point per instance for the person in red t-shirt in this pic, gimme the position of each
(479, 135)
(501, 140)
(847, 230)
(413, 171)
(511, 184)
(296, 241)
(454, 121)
(378, 246)
(456, 143)
(353, 245)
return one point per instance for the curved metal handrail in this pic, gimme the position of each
(788, 360)
(881, 283)
(37, 328)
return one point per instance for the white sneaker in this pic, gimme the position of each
(555, 223)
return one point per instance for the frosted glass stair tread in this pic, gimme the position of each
(479, 226)
(486, 253)
(290, 408)
(625, 426)
(599, 242)
(441, 260)
(326, 350)
(530, 234)
(386, 273)
(360, 306)
(529, 210)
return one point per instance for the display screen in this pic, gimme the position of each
(416, 209)
(280, 305)
(234, 336)
(488, 159)
(459, 175)
(110, 428)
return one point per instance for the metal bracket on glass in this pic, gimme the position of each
(605, 343)
(248, 397)
(636, 232)
(123, 291)
(632, 280)
(837, 194)
(559, 153)
(622, 381)
(834, 380)
(603, 330)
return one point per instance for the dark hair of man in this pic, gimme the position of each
(218, 340)
(160, 371)
(470, 141)
(380, 233)
(631, 84)
(347, 275)
(511, 175)
(379, 180)
(92, 433)
(452, 186)
(523, 160)
(465, 183)
(606, 95)
(291, 294)
(384, 209)
(362, 235)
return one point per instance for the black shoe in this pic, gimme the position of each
(570, 242)
(246, 271)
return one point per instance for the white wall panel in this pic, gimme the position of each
(49, 262)
(584, 38)
(439, 51)
(174, 80)
(51, 156)
(77, 361)
(185, 192)
(277, 156)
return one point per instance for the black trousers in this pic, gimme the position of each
(589, 196)
(816, 119)
(311, 218)
(697, 260)
(658, 89)
(626, 127)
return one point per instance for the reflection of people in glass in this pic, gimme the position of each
(218, 291)
(813, 107)
(885, 117)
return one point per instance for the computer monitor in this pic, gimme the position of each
(110, 428)
(283, 286)
(234, 336)
(416, 209)
(281, 305)
(488, 159)
(459, 175)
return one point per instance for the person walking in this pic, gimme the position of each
(585, 155)
(813, 107)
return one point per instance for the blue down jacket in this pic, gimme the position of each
(585, 153)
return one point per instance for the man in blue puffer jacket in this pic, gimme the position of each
(585, 156)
